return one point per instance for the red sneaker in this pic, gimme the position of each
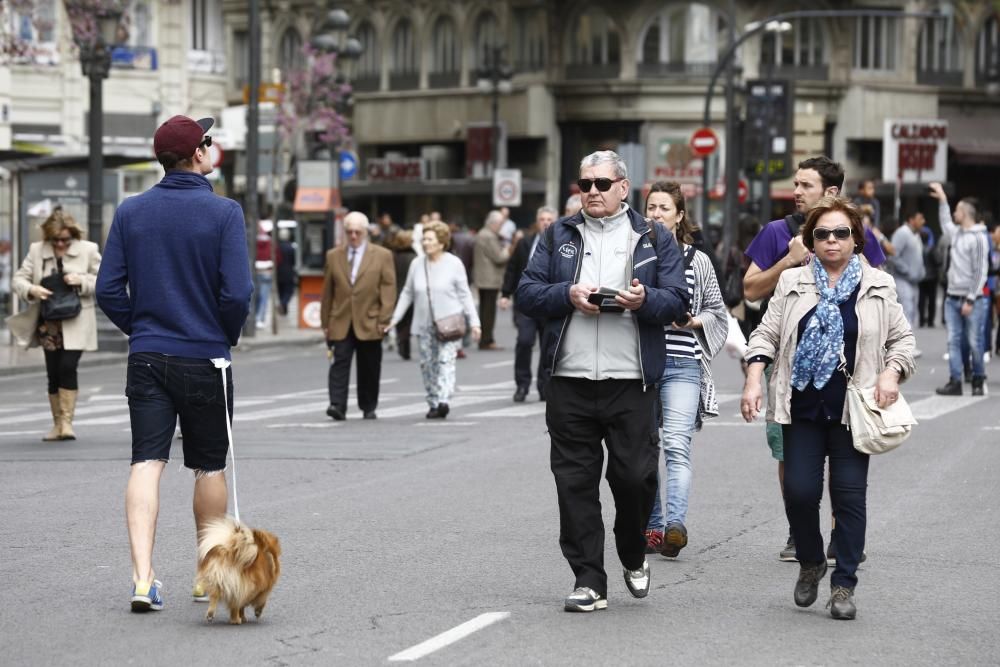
(461, 354)
(654, 541)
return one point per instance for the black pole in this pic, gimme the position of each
(732, 166)
(495, 103)
(251, 208)
(765, 201)
(95, 173)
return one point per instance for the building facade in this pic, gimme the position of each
(633, 78)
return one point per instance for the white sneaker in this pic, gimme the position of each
(637, 581)
(917, 353)
(585, 599)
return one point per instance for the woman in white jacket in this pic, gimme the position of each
(62, 250)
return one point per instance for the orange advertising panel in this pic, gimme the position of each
(310, 295)
(316, 200)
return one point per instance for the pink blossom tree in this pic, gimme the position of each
(313, 101)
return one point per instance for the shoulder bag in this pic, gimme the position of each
(449, 327)
(64, 302)
(876, 430)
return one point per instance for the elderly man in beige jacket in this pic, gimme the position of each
(489, 261)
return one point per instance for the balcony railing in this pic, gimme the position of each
(404, 81)
(799, 72)
(950, 79)
(587, 71)
(207, 62)
(444, 79)
(365, 83)
(675, 70)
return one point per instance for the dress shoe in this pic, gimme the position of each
(978, 382)
(433, 414)
(520, 395)
(953, 388)
(490, 347)
(370, 414)
(336, 412)
(443, 410)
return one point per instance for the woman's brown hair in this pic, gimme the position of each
(834, 204)
(440, 230)
(58, 221)
(685, 228)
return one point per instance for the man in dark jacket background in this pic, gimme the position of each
(528, 328)
(606, 359)
(176, 278)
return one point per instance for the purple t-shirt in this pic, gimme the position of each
(771, 244)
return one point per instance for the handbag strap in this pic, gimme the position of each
(427, 280)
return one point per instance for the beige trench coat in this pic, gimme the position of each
(884, 335)
(83, 257)
(489, 260)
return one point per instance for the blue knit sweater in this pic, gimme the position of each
(181, 252)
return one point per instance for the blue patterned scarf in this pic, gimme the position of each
(818, 353)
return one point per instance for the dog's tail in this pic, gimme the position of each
(229, 539)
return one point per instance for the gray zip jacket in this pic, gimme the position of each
(908, 262)
(970, 256)
(603, 346)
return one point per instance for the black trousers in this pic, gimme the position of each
(927, 302)
(580, 414)
(528, 329)
(487, 315)
(807, 447)
(60, 367)
(369, 370)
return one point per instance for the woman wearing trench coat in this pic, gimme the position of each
(63, 341)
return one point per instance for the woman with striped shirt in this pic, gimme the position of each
(687, 393)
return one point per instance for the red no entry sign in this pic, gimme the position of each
(704, 142)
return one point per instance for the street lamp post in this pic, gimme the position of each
(494, 77)
(95, 60)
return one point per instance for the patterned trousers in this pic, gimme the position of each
(437, 366)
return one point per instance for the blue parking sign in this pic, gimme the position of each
(348, 165)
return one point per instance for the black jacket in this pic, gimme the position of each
(516, 266)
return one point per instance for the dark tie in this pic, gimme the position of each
(350, 262)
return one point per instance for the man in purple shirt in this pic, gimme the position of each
(778, 246)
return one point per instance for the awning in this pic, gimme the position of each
(974, 140)
(26, 161)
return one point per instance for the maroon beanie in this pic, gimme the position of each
(181, 136)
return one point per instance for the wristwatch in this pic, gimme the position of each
(969, 301)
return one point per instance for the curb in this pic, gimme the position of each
(96, 359)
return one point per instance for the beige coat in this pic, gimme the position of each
(83, 257)
(367, 304)
(489, 260)
(884, 335)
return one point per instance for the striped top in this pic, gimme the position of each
(683, 342)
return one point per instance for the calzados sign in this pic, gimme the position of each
(915, 151)
(396, 169)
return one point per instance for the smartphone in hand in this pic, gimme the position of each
(604, 298)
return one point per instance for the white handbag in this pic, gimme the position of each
(876, 430)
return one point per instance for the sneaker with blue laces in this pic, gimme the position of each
(147, 596)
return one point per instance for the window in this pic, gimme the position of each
(875, 42)
(369, 66)
(799, 52)
(31, 32)
(682, 39)
(446, 61)
(988, 52)
(487, 36)
(141, 33)
(290, 51)
(403, 69)
(595, 49)
(529, 39)
(205, 37)
(240, 58)
(939, 55)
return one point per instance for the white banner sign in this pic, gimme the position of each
(915, 151)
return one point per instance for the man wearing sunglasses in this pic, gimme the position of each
(176, 279)
(604, 282)
(778, 247)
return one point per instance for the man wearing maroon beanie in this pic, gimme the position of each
(176, 279)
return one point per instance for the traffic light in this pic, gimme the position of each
(770, 120)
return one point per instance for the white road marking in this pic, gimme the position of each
(449, 637)
(485, 387)
(529, 410)
(11, 433)
(38, 415)
(499, 364)
(933, 407)
(437, 424)
(304, 425)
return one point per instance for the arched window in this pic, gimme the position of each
(988, 52)
(446, 58)
(368, 72)
(939, 55)
(403, 66)
(595, 48)
(290, 51)
(142, 25)
(487, 36)
(682, 39)
(529, 39)
(796, 53)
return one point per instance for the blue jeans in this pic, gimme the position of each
(968, 328)
(264, 280)
(680, 394)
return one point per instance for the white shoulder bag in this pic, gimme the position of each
(875, 430)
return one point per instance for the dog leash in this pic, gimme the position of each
(222, 365)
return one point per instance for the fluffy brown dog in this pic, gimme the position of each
(237, 566)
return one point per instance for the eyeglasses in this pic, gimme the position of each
(603, 184)
(63, 239)
(206, 142)
(840, 233)
(352, 232)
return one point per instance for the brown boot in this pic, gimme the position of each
(53, 434)
(67, 404)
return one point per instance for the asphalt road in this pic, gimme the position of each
(398, 530)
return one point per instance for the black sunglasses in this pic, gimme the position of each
(840, 233)
(603, 184)
(206, 142)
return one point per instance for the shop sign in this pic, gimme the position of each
(915, 151)
(396, 169)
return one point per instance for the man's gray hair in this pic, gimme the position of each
(493, 218)
(606, 157)
(546, 209)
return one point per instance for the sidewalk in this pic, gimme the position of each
(15, 360)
